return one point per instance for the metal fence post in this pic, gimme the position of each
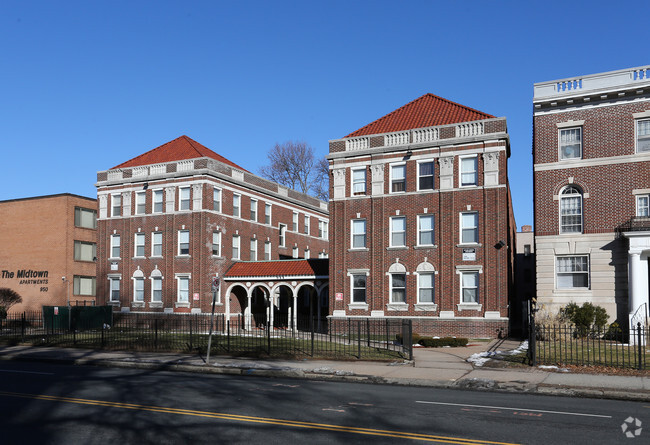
(638, 336)
(368, 330)
(312, 337)
(359, 337)
(155, 338)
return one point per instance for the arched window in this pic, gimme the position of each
(571, 210)
(397, 273)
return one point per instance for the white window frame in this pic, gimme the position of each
(236, 247)
(236, 205)
(645, 136)
(353, 288)
(253, 209)
(307, 224)
(217, 196)
(563, 154)
(267, 251)
(157, 199)
(156, 243)
(216, 243)
(393, 180)
(183, 294)
(184, 202)
(253, 249)
(295, 252)
(113, 288)
(393, 288)
(156, 281)
(433, 174)
(140, 203)
(432, 230)
(397, 232)
(139, 242)
(463, 287)
(574, 269)
(358, 235)
(643, 208)
(358, 179)
(282, 234)
(464, 172)
(474, 228)
(267, 214)
(421, 287)
(138, 289)
(181, 235)
(116, 208)
(294, 222)
(565, 197)
(116, 243)
(323, 229)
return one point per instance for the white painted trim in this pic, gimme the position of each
(597, 162)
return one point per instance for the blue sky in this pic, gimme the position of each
(87, 85)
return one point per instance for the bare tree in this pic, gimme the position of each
(322, 182)
(292, 164)
(8, 297)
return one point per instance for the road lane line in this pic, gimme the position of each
(516, 409)
(26, 372)
(262, 420)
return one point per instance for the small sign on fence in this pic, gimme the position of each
(196, 297)
(339, 296)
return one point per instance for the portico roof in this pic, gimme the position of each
(274, 270)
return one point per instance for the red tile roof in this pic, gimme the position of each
(311, 267)
(425, 111)
(179, 149)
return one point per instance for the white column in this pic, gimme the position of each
(227, 303)
(248, 312)
(294, 311)
(271, 311)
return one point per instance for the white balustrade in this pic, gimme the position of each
(568, 85)
(182, 166)
(393, 139)
(361, 143)
(469, 129)
(139, 172)
(158, 169)
(115, 174)
(426, 135)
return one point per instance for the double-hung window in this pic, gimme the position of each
(85, 218)
(425, 175)
(138, 289)
(157, 196)
(267, 214)
(643, 206)
(643, 135)
(572, 272)
(183, 295)
(358, 233)
(294, 222)
(323, 229)
(267, 251)
(183, 242)
(138, 250)
(253, 250)
(235, 247)
(216, 199)
(236, 202)
(306, 224)
(359, 181)
(469, 287)
(156, 289)
(425, 230)
(571, 143)
(114, 288)
(253, 209)
(140, 203)
(282, 231)
(358, 288)
(156, 244)
(425, 287)
(115, 246)
(85, 251)
(570, 210)
(216, 243)
(398, 288)
(84, 285)
(184, 197)
(116, 205)
(468, 171)
(398, 231)
(398, 178)
(469, 227)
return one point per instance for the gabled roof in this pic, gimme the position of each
(310, 268)
(425, 111)
(179, 149)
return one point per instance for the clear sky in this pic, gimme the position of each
(86, 85)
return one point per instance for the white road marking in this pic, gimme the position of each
(27, 372)
(516, 409)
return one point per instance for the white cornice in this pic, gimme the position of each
(598, 162)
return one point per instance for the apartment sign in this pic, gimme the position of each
(469, 254)
(26, 276)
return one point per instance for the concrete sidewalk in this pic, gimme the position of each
(431, 367)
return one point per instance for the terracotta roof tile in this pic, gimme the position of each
(425, 111)
(179, 149)
(311, 267)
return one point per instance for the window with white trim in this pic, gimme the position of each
(469, 227)
(323, 229)
(253, 249)
(267, 251)
(469, 287)
(138, 249)
(570, 143)
(184, 198)
(398, 178)
(398, 288)
(426, 289)
(282, 231)
(572, 272)
(306, 224)
(115, 246)
(183, 242)
(236, 202)
(140, 203)
(156, 289)
(156, 244)
(183, 289)
(358, 288)
(235, 247)
(359, 181)
(425, 230)
(85, 218)
(425, 175)
(570, 210)
(116, 205)
(398, 231)
(138, 288)
(642, 135)
(294, 252)
(157, 198)
(85, 286)
(85, 251)
(114, 289)
(267, 214)
(216, 243)
(468, 171)
(253, 209)
(358, 233)
(643, 205)
(216, 200)
(294, 222)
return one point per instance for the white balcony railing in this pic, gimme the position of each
(158, 169)
(115, 175)
(393, 139)
(138, 172)
(426, 135)
(469, 129)
(184, 166)
(361, 143)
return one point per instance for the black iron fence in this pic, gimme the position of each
(606, 346)
(359, 337)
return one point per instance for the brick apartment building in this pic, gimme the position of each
(422, 222)
(175, 218)
(48, 254)
(591, 153)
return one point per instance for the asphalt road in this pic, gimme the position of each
(60, 404)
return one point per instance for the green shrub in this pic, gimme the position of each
(584, 317)
(415, 338)
(445, 341)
